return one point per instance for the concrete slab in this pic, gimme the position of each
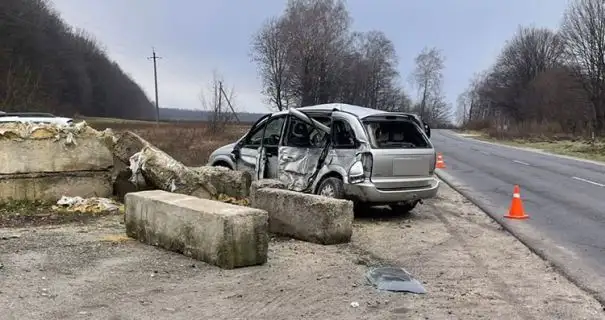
(52, 186)
(306, 217)
(217, 233)
(265, 183)
(47, 155)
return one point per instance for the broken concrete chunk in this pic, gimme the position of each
(221, 234)
(165, 173)
(127, 144)
(265, 183)
(306, 217)
(28, 148)
(228, 182)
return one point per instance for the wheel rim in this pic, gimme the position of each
(327, 191)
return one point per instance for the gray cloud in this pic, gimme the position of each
(197, 37)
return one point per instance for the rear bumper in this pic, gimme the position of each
(367, 192)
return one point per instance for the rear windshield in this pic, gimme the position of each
(395, 134)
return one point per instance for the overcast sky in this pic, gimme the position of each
(195, 37)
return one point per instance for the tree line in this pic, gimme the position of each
(309, 55)
(546, 82)
(47, 66)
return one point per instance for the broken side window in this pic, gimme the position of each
(343, 136)
(394, 134)
(300, 134)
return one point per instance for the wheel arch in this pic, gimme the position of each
(221, 162)
(329, 174)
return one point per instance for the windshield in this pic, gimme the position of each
(395, 134)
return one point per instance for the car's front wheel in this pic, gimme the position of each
(331, 187)
(404, 208)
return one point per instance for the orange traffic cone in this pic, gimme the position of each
(440, 163)
(516, 207)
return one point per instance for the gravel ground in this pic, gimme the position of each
(471, 268)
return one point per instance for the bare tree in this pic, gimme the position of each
(270, 48)
(218, 101)
(462, 107)
(428, 77)
(308, 55)
(583, 30)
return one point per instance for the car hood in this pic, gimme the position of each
(226, 149)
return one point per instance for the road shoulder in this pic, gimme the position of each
(561, 259)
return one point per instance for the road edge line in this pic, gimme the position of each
(548, 252)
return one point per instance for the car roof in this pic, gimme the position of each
(358, 111)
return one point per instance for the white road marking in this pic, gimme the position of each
(521, 162)
(588, 181)
(485, 153)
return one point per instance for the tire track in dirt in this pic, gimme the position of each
(502, 288)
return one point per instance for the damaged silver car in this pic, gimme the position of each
(369, 156)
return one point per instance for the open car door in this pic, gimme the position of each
(304, 145)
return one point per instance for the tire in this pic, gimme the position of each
(222, 164)
(331, 187)
(403, 208)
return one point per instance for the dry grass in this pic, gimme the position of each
(188, 142)
(575, 147)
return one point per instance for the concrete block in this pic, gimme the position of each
(47, 155)
(52, 186)
(306, 217)
(226, 181)
(217, 233)
(265, 183)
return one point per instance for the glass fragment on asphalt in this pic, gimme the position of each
(394, 279)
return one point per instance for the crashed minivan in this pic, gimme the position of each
(368, 156)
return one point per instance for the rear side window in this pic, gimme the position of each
(395, 134)
(343, 136)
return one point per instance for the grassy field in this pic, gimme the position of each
(188, 142)
(576, 148)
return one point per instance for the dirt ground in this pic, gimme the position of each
(470, 267)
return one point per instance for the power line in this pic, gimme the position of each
(154, 57)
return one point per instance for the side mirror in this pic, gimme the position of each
(235, 153)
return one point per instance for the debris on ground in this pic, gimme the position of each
(394, 279)
(455, 250)
(89, 205)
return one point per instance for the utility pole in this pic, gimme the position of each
(155, 78)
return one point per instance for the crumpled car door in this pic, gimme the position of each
(297, 164)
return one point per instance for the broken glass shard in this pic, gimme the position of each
(394, 279)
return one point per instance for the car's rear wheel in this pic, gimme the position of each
(404, 208)
(331, 187)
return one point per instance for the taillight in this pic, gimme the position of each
(367, 161)
(361, 168)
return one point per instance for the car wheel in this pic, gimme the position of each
(222, 164)
(403, 208)
(331, 187)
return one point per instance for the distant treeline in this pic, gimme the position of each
(47, 66)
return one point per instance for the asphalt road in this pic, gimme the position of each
(564, 198)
